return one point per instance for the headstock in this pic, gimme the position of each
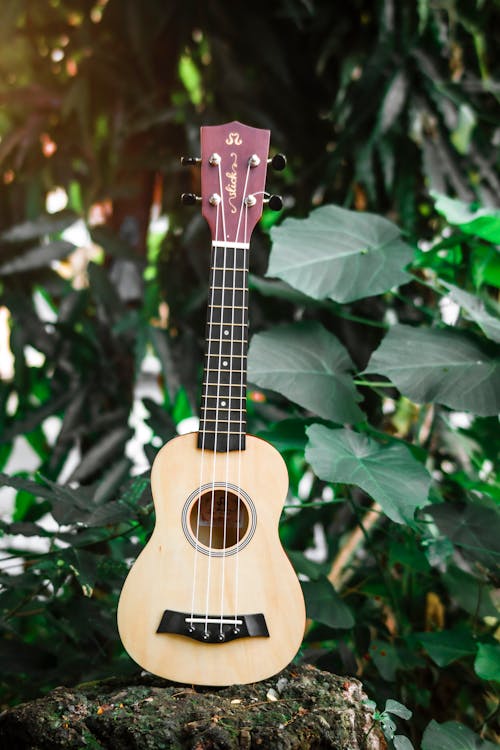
(234, 161)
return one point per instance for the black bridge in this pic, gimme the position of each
(214, 628)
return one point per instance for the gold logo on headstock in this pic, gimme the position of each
(232, 184)
(234, 138)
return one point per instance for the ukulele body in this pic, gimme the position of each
(249, 575)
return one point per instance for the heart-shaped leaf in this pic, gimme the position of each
(475, 309)
(388, 473)
(308, 365)
(484, 223)
(37, 257)
(453, 736)
(341, 254)
(440, 365)
(487, 663)
(446, 646)
(325, 605)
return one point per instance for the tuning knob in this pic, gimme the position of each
(189, 199)
(189, 161)
(274, 202)
(278, 162)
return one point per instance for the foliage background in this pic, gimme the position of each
(382, 108)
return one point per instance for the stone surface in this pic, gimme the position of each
(302, 708)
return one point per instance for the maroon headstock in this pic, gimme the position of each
(233, 175)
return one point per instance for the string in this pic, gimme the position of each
(238, 515)
(203, 432)
(209, 566)
(240, 431)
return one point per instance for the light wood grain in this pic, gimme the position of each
(162, 576)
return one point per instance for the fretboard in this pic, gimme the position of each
(223, 405)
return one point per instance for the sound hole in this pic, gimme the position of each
(223, 515)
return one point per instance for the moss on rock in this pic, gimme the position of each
(302, 708)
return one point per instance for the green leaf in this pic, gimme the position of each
(113, 245)
(397, 709)
(388, 473)
(29, 231)
(442, 365)
(305, 566)
(101, 453)
(402, 743)
(393, 101)
(27, 485)
(484, 223)
(473, 595)
(475, 309)
(323, 604)
(446, 646)
(288, 434)
(386, 658)
(308, 365)
(487, 663)
(462, 135)
(453, 736)
(37, 257)
(475, 528)
(341, 254)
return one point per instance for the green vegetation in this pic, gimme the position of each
(374, 358)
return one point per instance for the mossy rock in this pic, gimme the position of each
(302, 708)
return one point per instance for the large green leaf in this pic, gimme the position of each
(389, 473)
(453, 736)
(484, 223)
(440, 365)
(471, 593)
(446, 646)
(325, 605)
(487, 663)
(31, 230)
(37, 257)
(308, 365)
(474, 528)
(475, 309)
(341, 254)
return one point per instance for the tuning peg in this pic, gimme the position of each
(274, 202)
(189, 161)
(189, 199)
(278, 162)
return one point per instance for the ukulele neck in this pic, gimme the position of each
(223, 406)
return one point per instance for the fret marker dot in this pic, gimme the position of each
(222, 403)
(226, 333)
(225, 363)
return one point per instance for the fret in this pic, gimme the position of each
(211, 414)
(228, 268)
(230, 307)
(227, 341)
(230, 288)
(225, 385)
(228, 398)
(225, 391)
(231, 355)
(226, 323)
(223, 371)
(223, 432)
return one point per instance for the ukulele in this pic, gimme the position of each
(213, 599)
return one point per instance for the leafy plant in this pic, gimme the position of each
(374, 357)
